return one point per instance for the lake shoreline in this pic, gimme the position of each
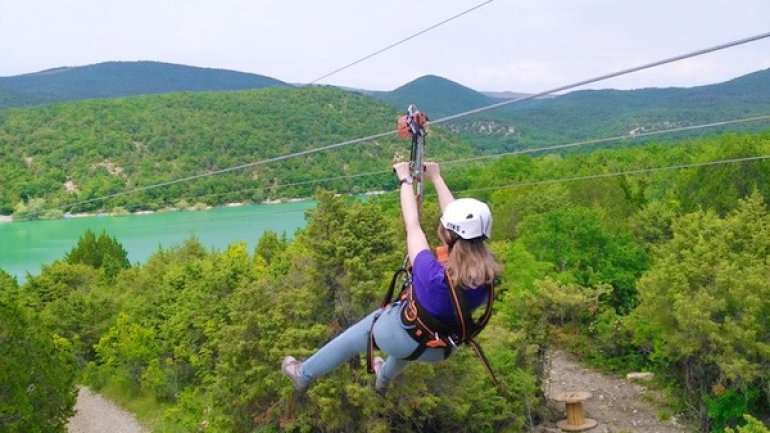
(10, 219)
(29, 245)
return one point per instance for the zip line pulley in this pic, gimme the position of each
(414, 125)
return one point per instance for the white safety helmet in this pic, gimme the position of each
(468, 217)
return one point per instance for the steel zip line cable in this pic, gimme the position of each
(395, 44)
(499, 155)
(623, 173)
(632, 172)
(229, 169)
(607, 76)
(444, 119)
(616, 138)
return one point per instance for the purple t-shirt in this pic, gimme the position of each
(433, 294)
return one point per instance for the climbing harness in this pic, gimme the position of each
(427, 330)
(431, 332)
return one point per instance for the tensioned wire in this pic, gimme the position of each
(619, 138)
(395, 44)
(444, 119)
(342, 68)
(499, 155)
(632, 172)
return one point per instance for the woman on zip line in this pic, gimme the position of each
(464, 226)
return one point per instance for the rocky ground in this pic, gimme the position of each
(618, 405)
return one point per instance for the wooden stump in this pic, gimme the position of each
(575, 421)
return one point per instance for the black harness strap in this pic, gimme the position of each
(371, 345)
(392, 286)
(480, 353)
(431, 332)
(423, 327)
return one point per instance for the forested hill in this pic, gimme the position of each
(77, 151)
(436, 95)
(586, 114)
(752, 88)
(589, 114)
(579, 115)
(115, 79)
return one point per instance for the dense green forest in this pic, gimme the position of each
(79, 152)
(585, 114)
(37, 367)
(663, 270)
(75, 152)
(590, 114)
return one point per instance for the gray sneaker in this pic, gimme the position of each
(379, 384)
(290, 367)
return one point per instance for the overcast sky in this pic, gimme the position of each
(505, 45)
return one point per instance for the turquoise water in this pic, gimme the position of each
(26, 246)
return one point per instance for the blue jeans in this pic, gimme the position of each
(390, 335)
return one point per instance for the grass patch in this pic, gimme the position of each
(664, 415)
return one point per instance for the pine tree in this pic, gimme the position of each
(37, 375)
(104, 253)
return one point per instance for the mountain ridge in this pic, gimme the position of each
(577, 115)
(122, 79)
(434, 94)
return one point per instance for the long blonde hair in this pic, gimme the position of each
(470, 263)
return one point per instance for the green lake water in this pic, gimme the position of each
(26, 246)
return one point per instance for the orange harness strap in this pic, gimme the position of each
(430, 332)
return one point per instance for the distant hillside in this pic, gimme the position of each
(579, 115)
(9, 98)
(591, 114)
(754, 87)
(76, 151)
(118, 79)
(436, 96)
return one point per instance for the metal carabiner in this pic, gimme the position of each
(452, 342)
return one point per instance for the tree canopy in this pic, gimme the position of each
(656, 269)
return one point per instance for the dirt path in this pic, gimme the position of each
(617, 404)
(94, 414)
